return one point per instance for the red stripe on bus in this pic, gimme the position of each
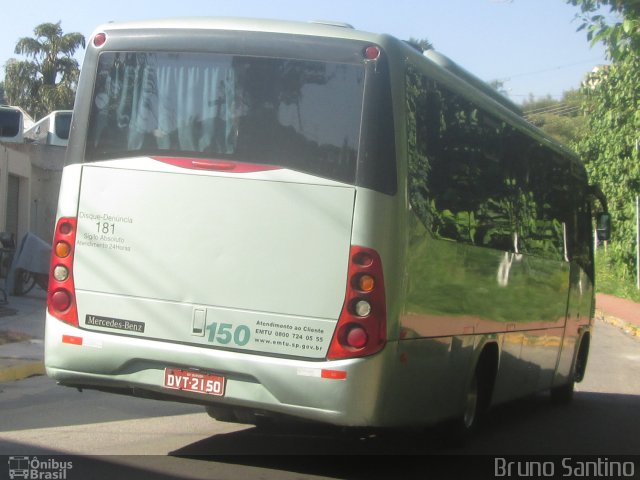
(216, 165)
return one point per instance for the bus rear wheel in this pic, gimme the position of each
(476, 399)
(458, 431)
(471, 405)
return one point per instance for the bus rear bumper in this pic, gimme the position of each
(344, 392)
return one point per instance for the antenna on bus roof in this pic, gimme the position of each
(331, 23)
(449, 65)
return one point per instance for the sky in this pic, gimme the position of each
(530, 45)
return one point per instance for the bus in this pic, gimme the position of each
(301, 221)
(52, 129)
(11, 124)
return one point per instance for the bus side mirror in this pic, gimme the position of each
(603, 226)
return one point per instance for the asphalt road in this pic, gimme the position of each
(40, 418)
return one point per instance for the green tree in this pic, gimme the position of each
(562, 119)
(622, 37)
(421, 44)
(47, 80)
(499, 86)
(612, 102)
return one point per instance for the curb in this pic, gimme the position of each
(630, 328)
(21, 371)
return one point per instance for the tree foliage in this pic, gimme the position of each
(612, 102)
(420, 44)
(622, 37)
(47, 80)
(498, 86)
(562, 119)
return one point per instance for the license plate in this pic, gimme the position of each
(190, 381)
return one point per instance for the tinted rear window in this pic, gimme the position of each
(9, 123)
(303, 115)
(63, 123)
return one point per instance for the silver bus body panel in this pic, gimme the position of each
(447, 299)
(436, 370)
(269, 256)
(288, 386)
(579, 323)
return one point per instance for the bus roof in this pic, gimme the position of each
(317, 28)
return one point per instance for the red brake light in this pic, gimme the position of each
(357, 337)
(362, 326)
(100, 39)
(61, 301)
(371, 53)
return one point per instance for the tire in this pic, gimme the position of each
(471, 405)
(24, 282)
(457, 432)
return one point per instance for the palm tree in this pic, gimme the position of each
(420, 44)
(46, 81)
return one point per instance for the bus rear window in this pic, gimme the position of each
(10, 123)
(63, 125)
(302, 115)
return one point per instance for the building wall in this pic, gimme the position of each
(38, 169)
(47, 162)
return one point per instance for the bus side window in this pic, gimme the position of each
(418, 162)
(551, 227)
(459, 183)
(474, 179)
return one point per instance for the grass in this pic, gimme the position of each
(453, 279)
(609, 280)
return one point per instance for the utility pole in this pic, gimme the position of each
(638, 241)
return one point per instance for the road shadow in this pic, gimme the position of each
(604, 425)
(50, 463)
(594, 424)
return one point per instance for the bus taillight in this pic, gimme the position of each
(361, 329)
(100, 39)
(61, 301)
